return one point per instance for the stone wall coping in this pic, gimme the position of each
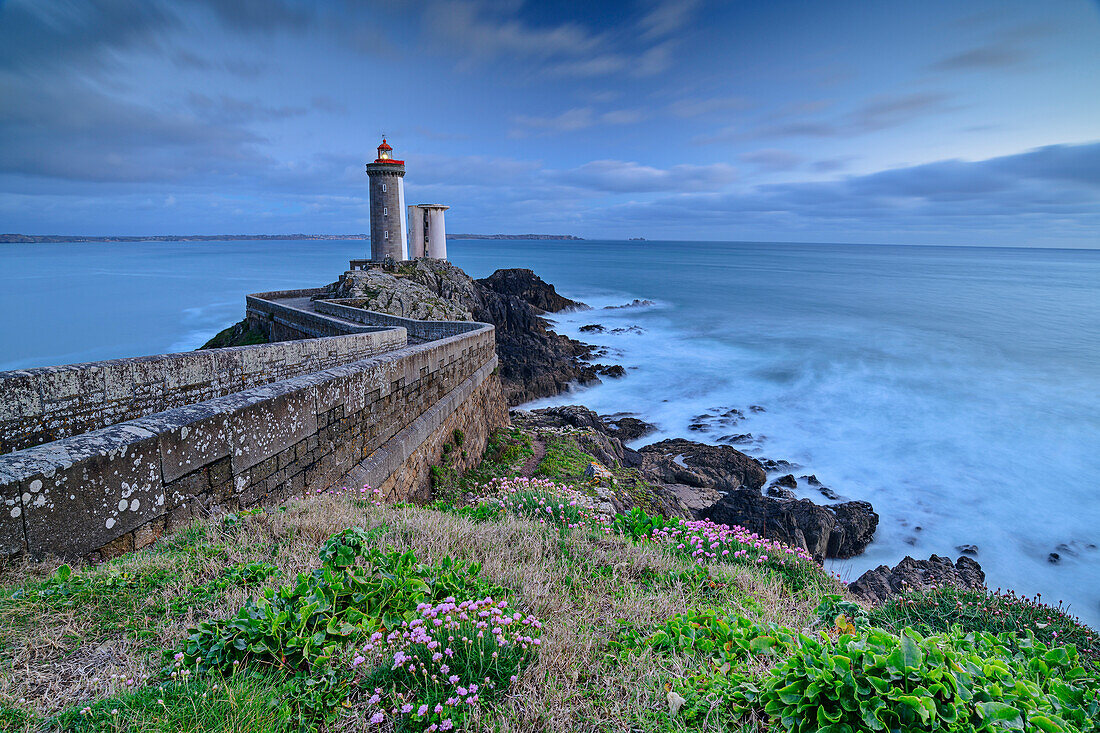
(25, 464)
(197, 355)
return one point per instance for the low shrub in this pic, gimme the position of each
(299, 626)
(939, 610)
(436, 671)
(871, 680)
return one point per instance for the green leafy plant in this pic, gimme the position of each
(939, 610)
(357, 590)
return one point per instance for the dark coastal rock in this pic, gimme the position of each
(788, 481)
(628, 428)
(779, 465)
(780, 493)
(811, 480)
(837, 531)
(614, 371)
(738, 439)
(717, 466)
(883, 583)
(757, 408)
(530, 288)
(856, 522)
(971, 550)
(623, 427)
(632, 304)
(593, 328)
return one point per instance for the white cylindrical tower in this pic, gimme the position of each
(416, 231)
(435, 230)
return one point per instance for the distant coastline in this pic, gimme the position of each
(61, 238)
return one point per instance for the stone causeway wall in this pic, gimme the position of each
(48, 403)
(334, 417)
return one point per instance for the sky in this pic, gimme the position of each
(961, 122)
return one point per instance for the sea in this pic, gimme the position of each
(957, 389)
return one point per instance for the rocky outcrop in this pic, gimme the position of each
(530, 288)
(679, 461)
(384, 292)
(534, 361)
(883, 583)
(841, 530)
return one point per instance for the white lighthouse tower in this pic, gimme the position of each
(427, 231)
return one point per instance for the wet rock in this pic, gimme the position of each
(971, 550)
(527, 286)
(779, 492)
(883, 583)
(738, 439)
(757, 408)
(632, 304)
(593, 328)
(788, 481)
(1054, 558)
(821, 531)
(811, 480)
(614, 371)
(628, 329)
(718, 466)
(779, 465)
(829, 493)
(856, 522)
(627, 428)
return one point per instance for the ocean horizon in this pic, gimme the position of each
(956, 388)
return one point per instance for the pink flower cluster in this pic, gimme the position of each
(440, 665)
(704, 540)
(545, 501)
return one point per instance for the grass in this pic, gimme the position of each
(587, 584)
(564, 459)
(243, 703)
(86, 648)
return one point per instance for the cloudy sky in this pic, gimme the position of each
(958, 122)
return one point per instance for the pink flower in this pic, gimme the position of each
(378, 717)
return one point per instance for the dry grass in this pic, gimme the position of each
(53, 656)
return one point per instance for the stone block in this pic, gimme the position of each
(107, 484)
(187, 487)
(189, 438)
(269, 423)
(19, 396)
(179, 517)
(148, 534)
(11, 518)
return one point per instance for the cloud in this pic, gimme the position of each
(1056, 188)
(74, 133)
(877, 113)
(700, 106)
(482, 32)
(772, 159)
(228, 110)
(571, 120)
(991, 56)
(618, 176)
(667, 18)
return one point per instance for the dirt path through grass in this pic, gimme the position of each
(533, 462)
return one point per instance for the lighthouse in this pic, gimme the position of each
(388, 224)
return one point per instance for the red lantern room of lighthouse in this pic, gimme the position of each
(385, 154)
